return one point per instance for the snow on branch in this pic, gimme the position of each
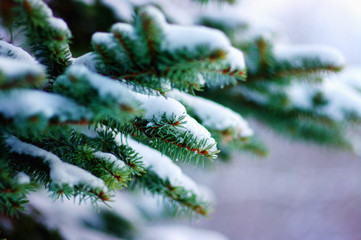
(40, 107)
(61, 174)
(174, 184)
(9, 50)
(47, 36)
(214, 116)
(19, 73)
(101, 94)
(169, 128)
(155, 54)
(308, 57)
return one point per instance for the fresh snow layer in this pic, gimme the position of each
(22, 178)
(103, 38)
(60, 172)
(59, 25)
(161, 165)
(155, 107)
(9, 50)
(105, 86)
(17, 68)
(214, 115)
(189, 37)
(154, 13)
(27, 103)
(295, 53)
(158, 106)
(200, 132)
(110, 158)
(45, 10)
(178, 37)
(123, 28)
(88, 60)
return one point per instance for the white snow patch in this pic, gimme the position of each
(200, 132)
(189, 37)
(27, 103)
(105, 86)
(123, 28)
(22, 178)
(14, 68)
(156, 106)
(235, 59)
(41, 5)
(9, 50)
(214, 115)
(155, 14)
(161, 165)
(110, 158)
(59, 24)
(88, 60)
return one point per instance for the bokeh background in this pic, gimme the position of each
(300, 191)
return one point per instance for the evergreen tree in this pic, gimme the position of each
(120, 115)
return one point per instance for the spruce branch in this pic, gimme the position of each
(180, 198)
(59, 177)
(171, 137)
(47, 36)
(150, 54)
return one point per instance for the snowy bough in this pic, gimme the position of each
(113, 117)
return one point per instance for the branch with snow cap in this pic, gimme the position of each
(103, 140)
(168, 127)
(10, 51)
(104, 96)
(214, 116)
(165, 178)
(266, 58)
(37, 108)
(65, 178)
(294, 59)
(13, 189)
(17, 73)
(156, 172)
(156, 54)
(77, 148)
(47, 36)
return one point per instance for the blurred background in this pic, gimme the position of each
(300, 191)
